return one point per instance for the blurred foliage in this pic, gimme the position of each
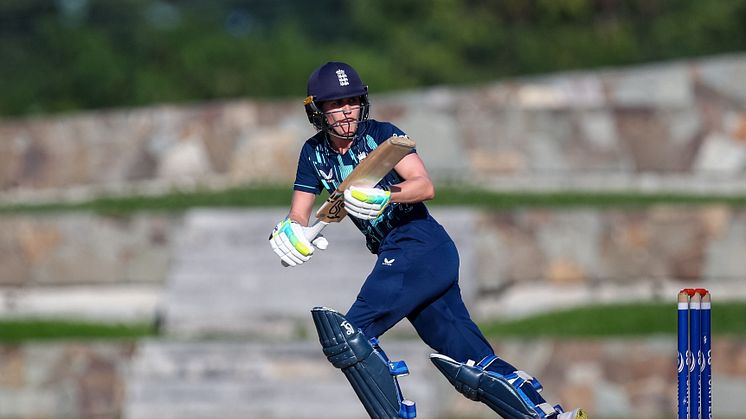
(60, 55)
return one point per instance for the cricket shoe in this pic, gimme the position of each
(573, 414)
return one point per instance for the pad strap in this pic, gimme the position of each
(503, 394)
(517, 378)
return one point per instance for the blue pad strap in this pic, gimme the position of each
(398, 368)
(517, 378)
(369, 371)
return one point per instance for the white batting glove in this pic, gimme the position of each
(366, 203)
(289, 242)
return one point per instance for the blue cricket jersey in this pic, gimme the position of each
(320, 167)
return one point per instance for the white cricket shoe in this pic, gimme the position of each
(573, 414)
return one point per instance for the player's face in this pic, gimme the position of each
(342, 115)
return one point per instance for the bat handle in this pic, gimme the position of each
(315, 229)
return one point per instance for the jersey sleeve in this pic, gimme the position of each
(305, 177)
(388, 130)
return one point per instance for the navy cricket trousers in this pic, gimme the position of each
(416, 276)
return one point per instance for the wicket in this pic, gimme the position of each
(694, 354)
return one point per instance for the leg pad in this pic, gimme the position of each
(369, 371)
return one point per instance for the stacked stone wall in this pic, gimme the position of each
(679, 125)
(230, 379)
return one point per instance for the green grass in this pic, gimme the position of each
(616, 320)
(508, 200)
(21, 330)
(270, 196)
(261, 196)
(602, 321)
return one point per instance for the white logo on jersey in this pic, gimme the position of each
(325, 175)
(388, 262)
(342, 76)
(348, 328)
(362, 155)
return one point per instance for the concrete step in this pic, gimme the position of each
(225, 279)
(236, 379)
(100, 303)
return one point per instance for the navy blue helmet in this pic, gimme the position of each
(333, 80)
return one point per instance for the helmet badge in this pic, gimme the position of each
(342, 77)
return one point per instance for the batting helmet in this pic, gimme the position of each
(333, 80)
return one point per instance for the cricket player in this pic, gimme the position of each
(415, 275)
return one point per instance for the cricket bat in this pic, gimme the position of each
(368, 173)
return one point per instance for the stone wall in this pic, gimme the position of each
(84, 249)
(63, 380)
(115, 266)
(235, 379)
(666, 126)
(612, 378)
(224, 285)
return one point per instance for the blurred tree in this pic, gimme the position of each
(79, 54)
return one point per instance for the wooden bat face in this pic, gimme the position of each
(368, 173)
(333, 209)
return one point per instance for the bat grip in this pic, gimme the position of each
(313, 231)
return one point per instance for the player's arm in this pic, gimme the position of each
(417, 185)
(301, 207)
(369, 203)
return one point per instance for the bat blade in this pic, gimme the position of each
(368, 173)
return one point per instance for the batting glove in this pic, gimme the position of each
(366, 203)
(289, 242)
